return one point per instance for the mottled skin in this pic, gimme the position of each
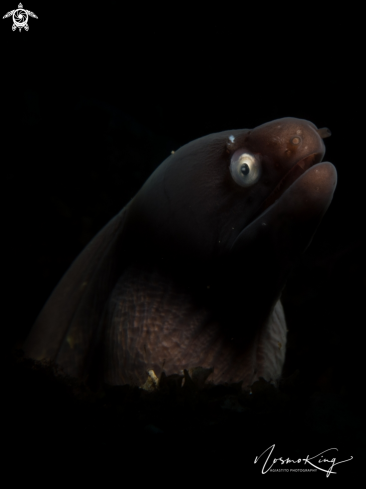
(191, 271)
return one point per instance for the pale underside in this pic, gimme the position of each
(153, 324)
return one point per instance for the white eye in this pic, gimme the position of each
(244, 168)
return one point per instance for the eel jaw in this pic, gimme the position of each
(289, 178)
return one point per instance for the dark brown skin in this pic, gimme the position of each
(191, 271)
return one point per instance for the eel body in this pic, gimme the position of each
(190, 272)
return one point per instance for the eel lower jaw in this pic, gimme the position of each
(286, 227)
(291, 176)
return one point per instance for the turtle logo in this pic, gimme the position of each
(20, 17)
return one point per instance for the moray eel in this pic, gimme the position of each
(191, 271)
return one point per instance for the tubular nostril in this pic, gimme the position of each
(324, 132)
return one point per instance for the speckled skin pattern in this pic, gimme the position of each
(190, 273)
(157, 321)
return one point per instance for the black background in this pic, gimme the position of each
(94, 97)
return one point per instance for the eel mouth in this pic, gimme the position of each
(289, 178)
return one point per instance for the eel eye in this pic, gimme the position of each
(244, 168)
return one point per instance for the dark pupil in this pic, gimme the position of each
(244, 169)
